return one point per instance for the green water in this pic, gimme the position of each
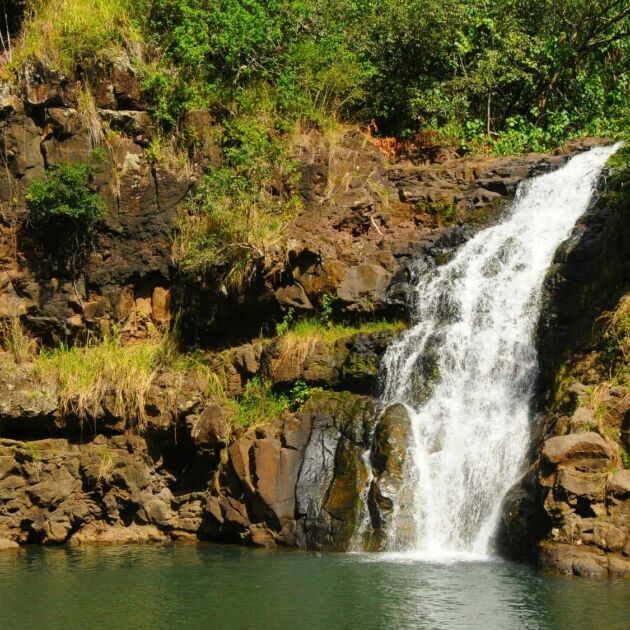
(207, 586)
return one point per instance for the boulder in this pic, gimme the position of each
(619, 484)
(578, 447)
(333, 481)
(98, 532)
(212, 427)
(8, 545)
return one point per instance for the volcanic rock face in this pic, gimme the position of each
(301, 480)
(324, 477)
(362, 222)
(298, 481)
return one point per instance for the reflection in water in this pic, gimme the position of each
(207, 586)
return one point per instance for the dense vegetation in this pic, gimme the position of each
(507, 76)
(540, 68)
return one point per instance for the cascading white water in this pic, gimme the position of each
(466, 368)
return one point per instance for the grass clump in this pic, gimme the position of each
(259, 404)
(65, 33)
(616, 335)
(16, 341)
(297, 339)
(322, 328)
(86, 375)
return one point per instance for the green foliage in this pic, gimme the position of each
(510, 76)
(618, 184)
(238, 214)
(99, 155)
(327, 309)
(259, 404)
(284, 326)
(63, 198)
(625, 458)
(299, 393)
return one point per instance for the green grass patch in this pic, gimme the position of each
(65, 33)
(259, 404)
(85, 375)
(321, 328)
(111, 367)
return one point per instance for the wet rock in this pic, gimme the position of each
(390, 447)
(574, 559)
(8, 545)
(334, 475)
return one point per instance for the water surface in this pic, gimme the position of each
(211, 586)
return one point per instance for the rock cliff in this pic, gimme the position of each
(325, 475)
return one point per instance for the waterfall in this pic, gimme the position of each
(465, 369)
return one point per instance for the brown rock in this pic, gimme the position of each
(144, 307)
(362, 284)
(99, 532)
(156, 511)
(8, 545)
(247, 359)
(582, 419)
(619, 566)
(619, 484)
(580, 560)
(293, 296)
(55, 490)
(568, 449)
(161, 305)
(93, 310)
(212, 427)
(262, 536)
(125, 303)
(276, 470)
(588, 485)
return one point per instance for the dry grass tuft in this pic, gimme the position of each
(89, 117)
(86, 375)
(15, 340)
(616, 329)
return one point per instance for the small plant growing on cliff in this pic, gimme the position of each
(64, 198)
(328, 309)
(259, 404)
(300, 393)
(285, 325)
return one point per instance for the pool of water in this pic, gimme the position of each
(209, 586)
